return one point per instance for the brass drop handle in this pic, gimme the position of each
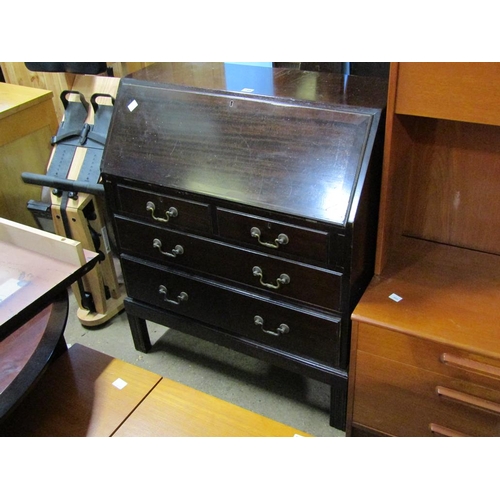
(282, 329)
(182, 297)
(170, 213)
(177, 250)
(282, 238)
(284, 279)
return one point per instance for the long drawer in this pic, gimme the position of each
(430, 355)
(295, 330)
(285, 278)
(403, 400)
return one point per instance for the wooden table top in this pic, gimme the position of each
(25, 353)
(175, 410)
(84, 393)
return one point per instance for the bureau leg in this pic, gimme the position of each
(140, 333)
(338, 408)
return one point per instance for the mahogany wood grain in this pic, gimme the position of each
(284, 151)
(310, 333)
(190, 215)
(309, 284)
(175, 410)
(330, 88)
(76, 397)
(26, 353)
(294, 157)
(307, 243)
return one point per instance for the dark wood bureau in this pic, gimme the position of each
(244, 203)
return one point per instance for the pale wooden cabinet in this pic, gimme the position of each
(27, 123)
(425, 351)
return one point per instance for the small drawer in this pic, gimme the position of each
(429, 355)
(285, 278)
(402, 400)
(293, 330)
(165, 211)
(273, 236)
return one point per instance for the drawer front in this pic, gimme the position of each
(165, 211)
(288, 329)
(284, 278)
(402, 400)
(273, 236)
(428, 355)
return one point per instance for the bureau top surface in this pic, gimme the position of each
(290, 141)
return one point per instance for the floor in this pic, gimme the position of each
(252, 384)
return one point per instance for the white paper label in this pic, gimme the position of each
(10, 287)
(395, 297)
(132, 105)
(119, 383)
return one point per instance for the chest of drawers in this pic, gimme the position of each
(428, 365)
(407, 386)
(247, 215)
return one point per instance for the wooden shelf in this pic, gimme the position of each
(446, 291)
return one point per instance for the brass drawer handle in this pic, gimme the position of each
(282, 238)
(282, 329)
(182, 297)
(178, 250)
(470, 365)
(467, 399)
(170, 213)
(444, 431)
(284, 279)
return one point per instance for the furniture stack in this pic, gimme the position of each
(425, 357)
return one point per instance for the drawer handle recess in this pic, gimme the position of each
(444, 431)
(470, 365)
(182, 297)
(282, 238)
(284, 279)
(170, 213)
(282, 329)
(467, 399)
(178, 250)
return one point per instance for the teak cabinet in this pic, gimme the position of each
(425, 354)
(244, 202)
